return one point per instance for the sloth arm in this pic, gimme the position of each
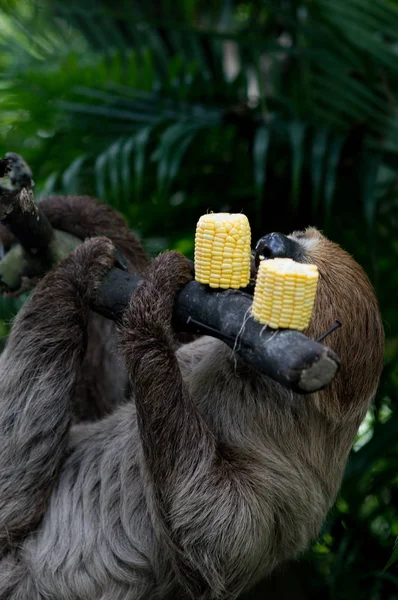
(39, 369)
(197, 491)
(102, 384)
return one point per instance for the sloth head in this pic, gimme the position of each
(345, 294)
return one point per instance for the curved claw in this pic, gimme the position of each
(120, 260)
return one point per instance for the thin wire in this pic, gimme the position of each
(330, 330)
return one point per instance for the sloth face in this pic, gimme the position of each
(278, 245)
(344, 293)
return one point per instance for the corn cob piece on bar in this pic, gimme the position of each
(222, 250)
(284, 293)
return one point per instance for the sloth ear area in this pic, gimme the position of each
(306, 240)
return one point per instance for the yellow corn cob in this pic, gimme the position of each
(222, 250)
(284, 293)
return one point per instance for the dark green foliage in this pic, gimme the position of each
(286, 110)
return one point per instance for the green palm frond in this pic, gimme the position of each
(394, 557)
(143, 78)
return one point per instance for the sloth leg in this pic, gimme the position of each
(38, 373)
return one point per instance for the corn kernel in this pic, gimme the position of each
(223, 250)
(284, 294)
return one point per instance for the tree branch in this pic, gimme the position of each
(285, 355)
(18, 210)
(40, 246)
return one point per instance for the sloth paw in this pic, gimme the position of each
(169, 272)
(151, 306)
(88, 264)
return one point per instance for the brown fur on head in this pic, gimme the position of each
(346, 294)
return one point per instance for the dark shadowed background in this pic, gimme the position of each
(285, 109)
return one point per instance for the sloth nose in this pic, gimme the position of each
(274, 245)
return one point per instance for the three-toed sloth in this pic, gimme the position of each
(195, 478)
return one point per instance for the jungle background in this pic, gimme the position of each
(285, 109)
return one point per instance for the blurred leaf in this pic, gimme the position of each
(332, 161)
(70, 179)
(126, 151)
(296, 134)
(100, 175)
(169, 153)
(49, 186)
(318, 154)
(393, 559)
(260, 150)
(369, 181)
(141, 143)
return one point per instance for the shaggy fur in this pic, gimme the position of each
(206, 480)
(104, 381)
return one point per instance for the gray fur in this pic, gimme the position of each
(134, 507)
